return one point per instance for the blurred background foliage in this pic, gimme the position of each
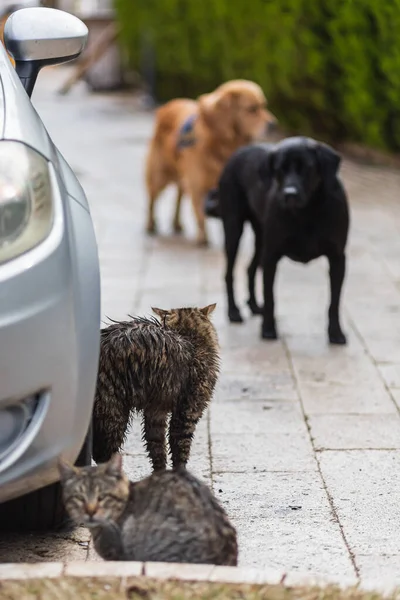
(329, 68)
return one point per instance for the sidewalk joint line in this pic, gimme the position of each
(371, 358)
(328, 495)
(209, 444)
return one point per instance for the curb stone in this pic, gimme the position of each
(188, 572)
(31, 570)
(184, 572)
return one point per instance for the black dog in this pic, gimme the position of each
(292, 197)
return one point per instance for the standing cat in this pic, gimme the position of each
(168, 517)
(161, 369)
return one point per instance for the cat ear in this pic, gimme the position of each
(66, 470)
(160, 312)
(114, 465)
(207, 310)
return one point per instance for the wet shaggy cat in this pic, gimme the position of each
(160, 368)
(168, 517)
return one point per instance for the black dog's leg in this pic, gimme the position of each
(211, 204)
(255, 308)
(337, 268)
(268, 330)
(233, 232)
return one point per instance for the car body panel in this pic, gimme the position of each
(31, 131)
(21, 121)
(49, 312)
(71, 183)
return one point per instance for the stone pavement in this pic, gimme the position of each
(301, 443)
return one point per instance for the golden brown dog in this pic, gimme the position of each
(193, 140)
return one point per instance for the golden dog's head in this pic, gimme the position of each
(237, 109)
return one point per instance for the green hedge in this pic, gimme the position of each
(328, 67)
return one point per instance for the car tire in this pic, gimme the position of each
(42, 510)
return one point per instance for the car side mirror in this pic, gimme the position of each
(37, 37)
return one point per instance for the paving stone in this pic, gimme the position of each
(336, 367)
(344, 432)
(272, 512)
(236, 335)
(395, 394)
(335, 398)
(252, 453)
(256, 360)
(247, 417)
(176, 298)
(301, 325)
(311, 347)
(365, 487)
(379, 571)
(241, 387)
(391, 375)
(383, 350)
(289, 497)
(386, 327)
(40, 547)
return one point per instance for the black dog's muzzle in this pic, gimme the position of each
(292, 198)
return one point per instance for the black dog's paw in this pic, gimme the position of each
(337, 337)
(268, 332)
(235, 316)
(255, 308)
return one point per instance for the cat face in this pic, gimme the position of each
(93, 495)
(177, 318)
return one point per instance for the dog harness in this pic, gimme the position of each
(186, 136)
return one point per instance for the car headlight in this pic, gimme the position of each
(26, 204)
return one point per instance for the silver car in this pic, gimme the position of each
(49, 284)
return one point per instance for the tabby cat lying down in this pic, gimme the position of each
(168, 517)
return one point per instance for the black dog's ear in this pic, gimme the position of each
(329, 162)
(267, 167)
